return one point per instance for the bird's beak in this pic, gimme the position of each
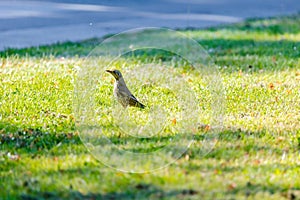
(112, 73)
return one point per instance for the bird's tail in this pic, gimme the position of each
(140, 105)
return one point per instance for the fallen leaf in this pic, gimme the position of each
(280, 139)
(207, 128)
(194, 130)
(187, 157)
(28, 173)
(256, 162)
(231, 186)
(174, 121)
(69, 135)
(240, 72)
(13, 156)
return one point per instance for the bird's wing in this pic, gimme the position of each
(133, 97)
(128, 96)
(134, 102)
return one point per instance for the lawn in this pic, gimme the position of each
(254, 155)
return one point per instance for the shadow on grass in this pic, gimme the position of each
(65, 49)
(44, 142)
(138, 191)
(235, 54)
(239, 47)
(33, 140)
(246, 47)
(217, 47)
(271, 25)
(250, 189)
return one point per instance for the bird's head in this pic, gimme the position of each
(116, 73)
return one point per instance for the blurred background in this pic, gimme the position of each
(31, 23)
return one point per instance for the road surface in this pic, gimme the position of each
(31, 23)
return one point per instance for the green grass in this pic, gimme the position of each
(256, 155)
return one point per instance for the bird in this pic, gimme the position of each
(122, 93)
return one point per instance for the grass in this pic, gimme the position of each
(256, 155)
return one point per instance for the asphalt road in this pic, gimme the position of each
(30, 23)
